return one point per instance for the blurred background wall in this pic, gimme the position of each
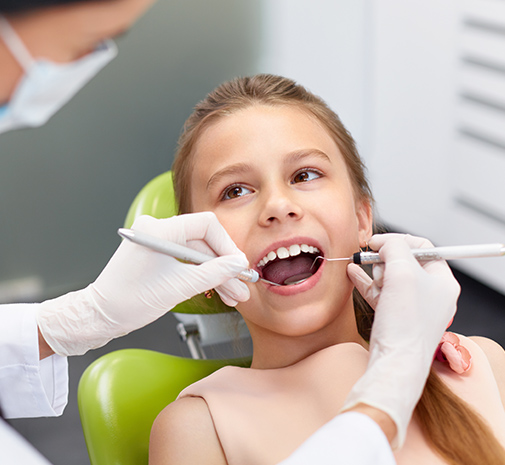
(420, 85)
(65, 188)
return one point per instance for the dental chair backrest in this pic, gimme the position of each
(121, 393)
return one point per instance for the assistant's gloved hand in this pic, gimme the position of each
(138, 285)
(414, 303)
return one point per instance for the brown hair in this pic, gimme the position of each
(453, 429)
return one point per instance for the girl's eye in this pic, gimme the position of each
(234, 192)
(306, 175)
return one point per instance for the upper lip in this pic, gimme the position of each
(287, 243)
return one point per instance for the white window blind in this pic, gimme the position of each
(480, 116)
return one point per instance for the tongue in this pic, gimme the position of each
(288, 270)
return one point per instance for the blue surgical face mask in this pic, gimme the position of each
(46, 86)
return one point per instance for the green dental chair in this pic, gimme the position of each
(121, 393)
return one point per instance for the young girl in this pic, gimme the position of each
(283, 176)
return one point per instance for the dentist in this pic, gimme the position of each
(49, 49)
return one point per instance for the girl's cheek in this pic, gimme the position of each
(234, 230)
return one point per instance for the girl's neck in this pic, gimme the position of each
(278, 351)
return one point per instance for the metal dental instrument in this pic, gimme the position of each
(455, 252)
(187, 254)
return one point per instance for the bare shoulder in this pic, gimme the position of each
(494, 352)
(496, 356)
(183, 433)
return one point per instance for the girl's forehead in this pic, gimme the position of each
(278, 130)
(287, 113)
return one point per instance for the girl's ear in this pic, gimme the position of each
(364, 217)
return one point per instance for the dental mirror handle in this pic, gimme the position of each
(178, 251)
(438, 253)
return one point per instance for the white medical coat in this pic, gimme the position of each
(16, 450)
(28, 387)
(350, 438)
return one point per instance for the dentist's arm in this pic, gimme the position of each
(135, 288)
(414, 304)
(138, 285)
(44, 348)
(29, 386)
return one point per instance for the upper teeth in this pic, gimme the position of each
(286, 252)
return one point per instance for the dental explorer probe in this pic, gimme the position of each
(178, 251)
(454, 252)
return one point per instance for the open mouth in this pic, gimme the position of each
(290, 265)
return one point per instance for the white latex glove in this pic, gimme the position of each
(138, 285)
(414, 304)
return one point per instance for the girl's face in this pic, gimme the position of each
(278, 183)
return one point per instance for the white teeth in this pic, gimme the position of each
(284, 252)
(294, 249)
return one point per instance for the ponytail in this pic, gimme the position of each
(454, 429)
(451, 427)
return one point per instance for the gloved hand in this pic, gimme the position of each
(414, 302)
(138, 285)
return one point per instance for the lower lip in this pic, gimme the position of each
(294, 289)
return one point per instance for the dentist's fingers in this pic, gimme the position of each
(363, 283)
(391, 246)
(359, 278)
(414, 242)
(232, 292)
(378, 274)
(201, 231)
(395, 247)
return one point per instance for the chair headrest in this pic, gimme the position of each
(157, 199)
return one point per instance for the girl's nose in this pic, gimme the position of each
(280, 206)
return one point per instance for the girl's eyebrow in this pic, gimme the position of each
(242, 168)
(306, 153)
(235, 169)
